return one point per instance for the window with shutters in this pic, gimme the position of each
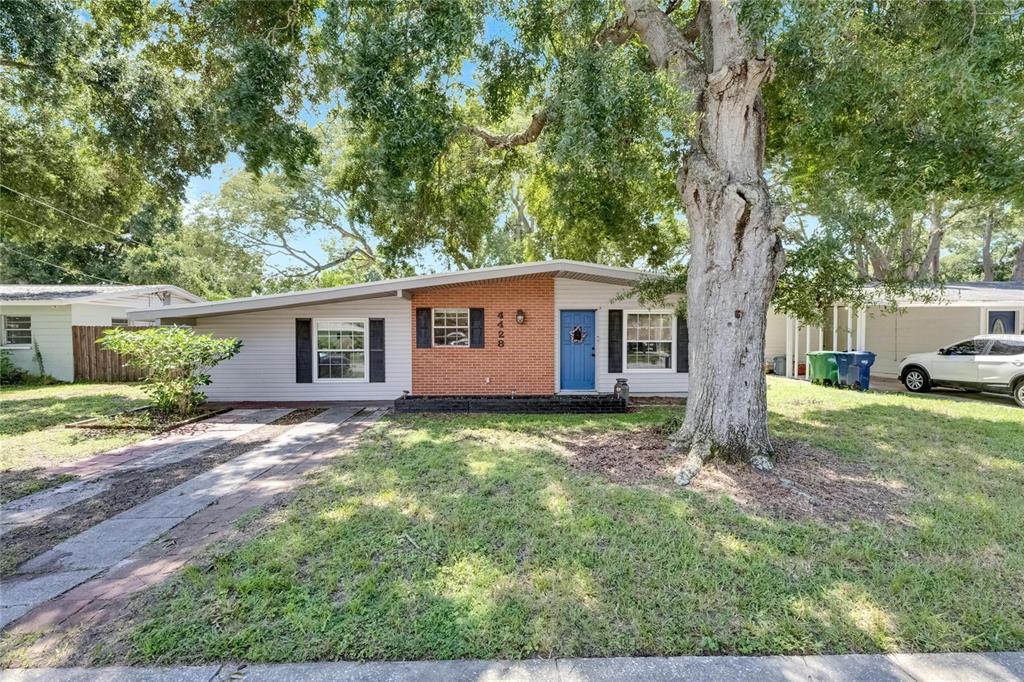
(340, 350)
(649, 340)
(451, 327)
(17, 330)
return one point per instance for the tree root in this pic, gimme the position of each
(692, 464)
(701, 452)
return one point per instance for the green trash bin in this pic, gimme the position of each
(824, 369)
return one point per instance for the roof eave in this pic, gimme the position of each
(389, 288)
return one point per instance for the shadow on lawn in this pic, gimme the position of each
(456, 539)
(22, 416)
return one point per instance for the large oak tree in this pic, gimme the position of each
(607, 121)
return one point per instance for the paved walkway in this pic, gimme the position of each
(994, 667)
(110, 542)
(175, 446)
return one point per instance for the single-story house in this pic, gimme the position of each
(528, 329)
(44, 315)
(925, 323)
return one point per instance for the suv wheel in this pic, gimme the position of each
(1018, 393)
(916, 380)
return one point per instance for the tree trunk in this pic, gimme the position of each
(736, 253)
(930, 262)
(1018, 265)
(986, 249)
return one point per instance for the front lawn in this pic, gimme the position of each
(504, 537)
(32, 433)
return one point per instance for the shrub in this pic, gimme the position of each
(9, 374)
(175, 359)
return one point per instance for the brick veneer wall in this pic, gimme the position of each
(525, 364)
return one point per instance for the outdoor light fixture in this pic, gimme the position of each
(520, 316)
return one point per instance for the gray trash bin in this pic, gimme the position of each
(779, 364)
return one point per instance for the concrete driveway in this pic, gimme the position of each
(895, 386)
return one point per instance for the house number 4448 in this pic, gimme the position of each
(501, 330)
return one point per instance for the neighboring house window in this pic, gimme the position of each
(17, 330)
(119, 321)
(451, 327)
(340, 349)
(649, 338)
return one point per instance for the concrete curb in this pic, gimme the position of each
(952, 667)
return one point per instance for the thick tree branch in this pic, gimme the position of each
(17, 64)
(667, 44)
(509, 140)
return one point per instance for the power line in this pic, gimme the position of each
(81, 220)
(77, 273)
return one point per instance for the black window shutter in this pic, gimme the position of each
(303, 351)
(376, 346)
(614, 341)
(476, 327)
(682, 344)
(423, 332)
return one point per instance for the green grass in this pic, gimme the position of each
(470, 537)
(32, 433)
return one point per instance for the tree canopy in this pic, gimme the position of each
(489, 130)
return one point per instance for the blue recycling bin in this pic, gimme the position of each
(860, 368)
(844, 363)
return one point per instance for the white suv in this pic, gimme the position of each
(992, 363)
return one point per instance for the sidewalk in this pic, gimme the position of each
(989, 667)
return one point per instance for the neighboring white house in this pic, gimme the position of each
(961, 311)
(42, 315)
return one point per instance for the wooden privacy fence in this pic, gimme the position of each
(92, 363)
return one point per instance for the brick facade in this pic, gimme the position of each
(525, 363)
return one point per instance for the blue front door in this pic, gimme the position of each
(577, 350)
(1002, 322)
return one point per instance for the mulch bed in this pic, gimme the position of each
(129, 488)
(808, 483)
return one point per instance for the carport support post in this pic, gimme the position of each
(796, 348)
(835, 327)
(862, 332)
(849, 328)
(789, 346)
(807, 353)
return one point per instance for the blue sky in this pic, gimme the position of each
(313, 116)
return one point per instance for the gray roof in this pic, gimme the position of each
(981, 292)
(81, 292)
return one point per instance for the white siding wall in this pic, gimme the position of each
(775, 336)
(265, 367)
(917, 330)
(95, 314)
(572, 294)
(51, 330)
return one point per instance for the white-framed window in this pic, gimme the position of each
(451, 327)
(17, 330)
(339, 348)
(650, 340)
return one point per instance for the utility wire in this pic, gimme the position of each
(81, 220)
(76, 273)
